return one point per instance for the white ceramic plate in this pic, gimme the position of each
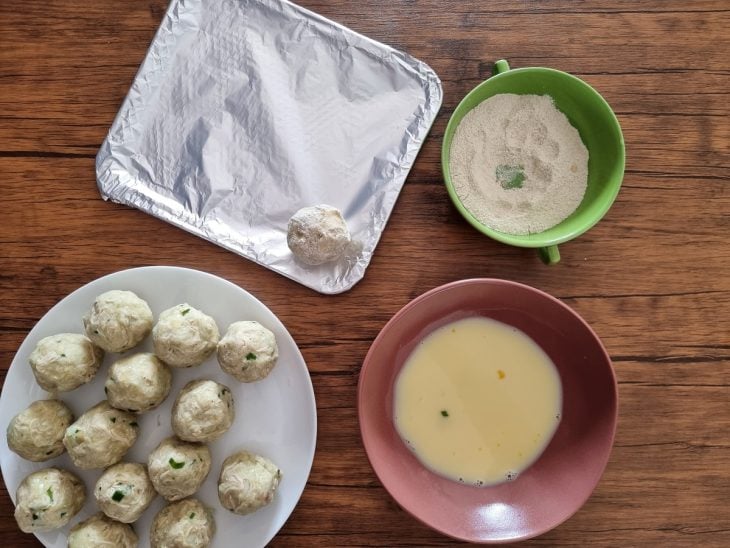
(275, 417)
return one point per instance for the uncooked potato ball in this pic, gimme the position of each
(203, 411)
(118, 320)
(101, 436)
(100, 531)
(36, 433)
(48, 499)
(138, 383)
(184, 336)
(178, 468)
(124, 491)
(184, 524)
(247, 482)
(65, 361)
(317, 234)
(248, 351)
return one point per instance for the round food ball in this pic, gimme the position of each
(177, 468)
(36, 433)
(203, 411)
(118, 320)
(138, 383)
(65, 361)
(248, 351)
(317, 234)
(101, 532)
(48, 499)
(184, 524)
(100, 437)
(184, 336)
(247, 482)
(124, 491)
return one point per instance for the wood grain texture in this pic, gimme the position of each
(653, 278)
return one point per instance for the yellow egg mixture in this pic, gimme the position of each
(478, 401)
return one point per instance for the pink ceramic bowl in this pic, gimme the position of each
(560, 481)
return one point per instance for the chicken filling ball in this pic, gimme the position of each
(101, 436)
(138, 383)
(36, 433)
(118, 321)
(184, 524)
(184, 336)
(177, 468)
(247, 482)
(317, 234)
(65, 361)
(124, 491)
(101, 532)
(48, 499)
(203, 411)
(248, 351)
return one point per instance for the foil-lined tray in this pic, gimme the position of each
(245, 111)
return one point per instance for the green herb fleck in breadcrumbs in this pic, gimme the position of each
(444, 413)
(250, 356)
(176, 465)
(185, 311)
(113, 419)
(192, 515)
(117, 496)
(49, 492)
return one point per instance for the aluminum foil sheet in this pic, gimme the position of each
(245, 111)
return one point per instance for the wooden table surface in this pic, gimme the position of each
(652, 277)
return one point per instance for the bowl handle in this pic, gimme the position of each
(500, 67)
(549, 254)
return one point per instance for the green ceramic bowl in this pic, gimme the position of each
(599, 129)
